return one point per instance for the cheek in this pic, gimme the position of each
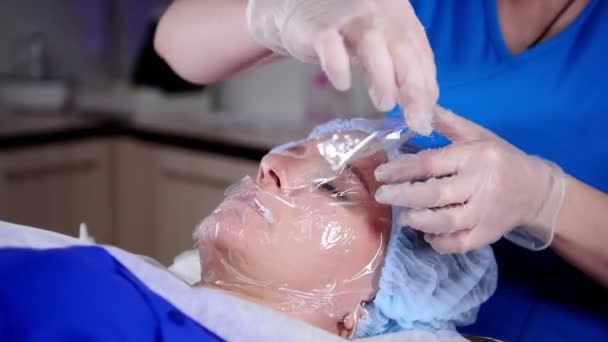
(314, 225)
(312, 244)
(327, 225)
(363, 243)
(331, 238)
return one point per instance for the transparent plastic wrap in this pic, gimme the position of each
(306, 236)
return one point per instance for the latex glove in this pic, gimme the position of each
(384, 36)
(474, 191)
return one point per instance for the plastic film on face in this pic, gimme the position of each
(305, 234)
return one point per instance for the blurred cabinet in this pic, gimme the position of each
(58, 186)
(163, 193)
(190, 186)
(143, 197)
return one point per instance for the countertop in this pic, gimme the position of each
(216, 133)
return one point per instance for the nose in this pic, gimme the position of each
(272, 171)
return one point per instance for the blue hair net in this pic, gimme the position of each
(421, 289)
(418, 288)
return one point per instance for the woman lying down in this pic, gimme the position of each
(303, 241)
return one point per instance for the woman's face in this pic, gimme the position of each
(305, 234)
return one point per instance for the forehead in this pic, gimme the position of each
(344, 140)
(350, 147)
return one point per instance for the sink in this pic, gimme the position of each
(33, 94)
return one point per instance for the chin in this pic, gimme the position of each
(229, 235)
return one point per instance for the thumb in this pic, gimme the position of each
(458, 129)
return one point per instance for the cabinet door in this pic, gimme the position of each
(163, 193)
(191, 185)
(58, 186)
(136, 192)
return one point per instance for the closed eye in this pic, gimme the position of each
(296, 150)
(332, 190)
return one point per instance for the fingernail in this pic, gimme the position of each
(382, 101)
(341, 80)
(381, 195)
(419, 120)
(373, 93)
(343, 83)
(421, 127)
(426, 129)
(380, 173)
(428, 238)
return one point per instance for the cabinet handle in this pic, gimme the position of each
(48, 171)
(192, 178)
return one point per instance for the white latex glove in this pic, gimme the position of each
(474, 191)
(384, 36)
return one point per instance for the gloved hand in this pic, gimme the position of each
(383, 36)
(474, 191)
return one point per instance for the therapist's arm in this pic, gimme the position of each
(581, 235)
(205, 41)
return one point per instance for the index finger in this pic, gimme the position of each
(422, 165)
(334, 58)
(413, 96)
(458, 129)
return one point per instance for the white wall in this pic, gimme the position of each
(278, 92)
(274, 91)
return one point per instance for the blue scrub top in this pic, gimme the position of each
(550, 101)
(84, 294)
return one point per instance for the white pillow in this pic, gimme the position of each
(187, 266)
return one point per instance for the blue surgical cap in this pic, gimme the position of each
(418, 287)
(422, 289)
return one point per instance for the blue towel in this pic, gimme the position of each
(83, 294)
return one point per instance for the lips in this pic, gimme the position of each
(248, 199)
(247, 192)
(242, 194)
